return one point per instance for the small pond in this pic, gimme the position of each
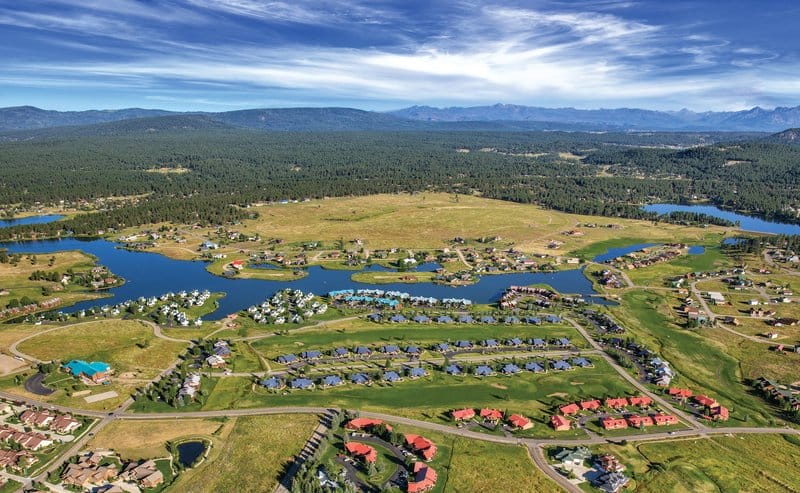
(190, 452)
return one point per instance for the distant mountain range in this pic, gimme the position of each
(27, 121)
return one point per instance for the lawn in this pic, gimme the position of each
(478, 466)
(134, 440)
(659, 274)
(732, 463)
(252, 457)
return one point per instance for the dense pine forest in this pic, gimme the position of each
(209, 175)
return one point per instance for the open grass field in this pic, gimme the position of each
(702, 363)
(758, 360)
(477, 467)
(128, 346)
(134, 440)
(737, 463)
(252, 457)
(369, 333)
(659, 274)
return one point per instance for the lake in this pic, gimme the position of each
(189, 452)
(7, 223)
(747, 223)
(151, 274)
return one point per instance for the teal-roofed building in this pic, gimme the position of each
(96, 371)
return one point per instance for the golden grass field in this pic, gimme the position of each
(134, 440)
(252, 457)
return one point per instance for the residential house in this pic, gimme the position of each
(366, 424)
(560, 423)
(519, 422)
(332, 381)
(618, 403)
(273, 383)
(534, 367)
(573, 457)
(569, 409)
(301, 383)
(491, 415)
(636, 421)
(359, 379)
(612, 482)
(592, 405)
(641, 401)
(95, 372)
(614, 423)
(362, 451)
(484, 371)
(665, 419)
(423, 478)
(453, 370)
(462, 414)
(392, 377)
(421, 446)
(417, 373)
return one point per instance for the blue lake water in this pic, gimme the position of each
(613, 253)
(189, 452)
(7, 223)
(747, 223)
(697, 250)
(150, 274)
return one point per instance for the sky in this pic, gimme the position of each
(219, 55)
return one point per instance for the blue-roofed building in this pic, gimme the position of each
(417, 373)
(272, 383)
(511, 369)
(488, 319)
(484, 371)
(392, 376)
(561, 365)
(511, 320)
(563, 342)
(442, 347)
(359, 379)
(390, 349)
(375, 317)
(463, 345)
(340, 352)
(287, 359)
(538, 342)
(413, 350)
(397, 318)
(301, 383)
(582, 362)
(332, 381)
(533, 320)
(453, 370)
(363, 351)
(421, 319)
(466, 319)
(534, 367)
(553, 319)
(222, 351)
(311, 354)
(490, 343)
(444, 319)
(514, 341)
(96, 371)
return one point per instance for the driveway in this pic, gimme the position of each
(34, 385)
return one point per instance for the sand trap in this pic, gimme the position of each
(100, 397)
(81, 393)
(498, 386)
(558, 394)
(9, 364)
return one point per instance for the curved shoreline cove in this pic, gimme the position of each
(21, 221)
(746, 223)
(150, 274)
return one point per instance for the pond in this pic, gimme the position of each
(189, 452)
(151, 274)
(747, 223)
(697, 250)
(7, 223)
(613, 253)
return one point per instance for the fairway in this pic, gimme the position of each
(252, 457)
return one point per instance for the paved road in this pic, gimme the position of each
(158, 333)
(300, 329)
(308, 450)
(703, 303)
(537, 454)
(34, 385)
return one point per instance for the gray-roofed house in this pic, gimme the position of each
(301, 383)
(612, 482)
(463, 344)
(510, 369)
(287, 359)
(421, 319)
(332, 381)
(514, 342)
(511, 320)
(490, 343)
(444, 319)
(412, 350)
(534, 367)
(553, 319)
(466, 319)
(375, 317)
(533, 320)
(484, 371)
(359, 379)
(392, 376)
(272, 383)
(442, 347)
(488, 319)
(340, 352)
(417, 373)
(538, 342)
(311, 354)
(390, 349)
(397, 318)
(453, 370)
(363, 351)
(561, 365)
(582, 362)
(563, 342)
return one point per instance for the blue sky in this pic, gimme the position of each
(219, 55)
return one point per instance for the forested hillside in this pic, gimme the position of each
(220, 170)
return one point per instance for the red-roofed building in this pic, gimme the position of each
(719, 413)
(423, 478)
(614, 423)
(636, 421)
(492, 415)
(520, 422)
(590, 405)
(641, 401)
(665, 419)
(677, 393)
(569, 409)
(362, 451)
(617, 403)
(463, 414)
(704, 400)
(560, 423)
(238, 264)
(421, 446)
(366, 424)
